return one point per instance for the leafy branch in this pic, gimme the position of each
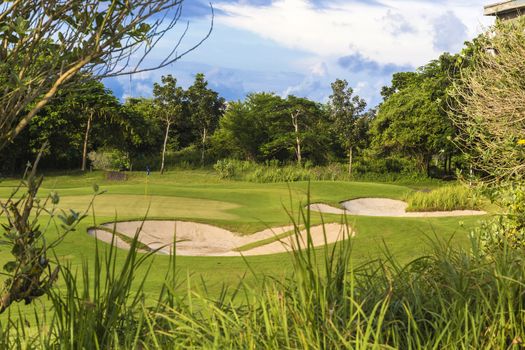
(30, 274)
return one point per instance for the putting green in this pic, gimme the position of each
(159, 206)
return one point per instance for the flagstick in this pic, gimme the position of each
(146, 189)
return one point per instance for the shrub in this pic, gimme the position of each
(109, 159)
(225, 169)
(444, 199)
(141, 161)
(508, 229)
(490, 108)
(187, 156)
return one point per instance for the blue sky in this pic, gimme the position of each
(300, 46)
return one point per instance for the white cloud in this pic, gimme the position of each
(319, 69)
(350, 27)
(450, 32)
(360, 87)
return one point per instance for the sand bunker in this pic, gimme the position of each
(194, 239)
(385, 207)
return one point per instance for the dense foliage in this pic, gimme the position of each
(413, 121)
(489, 103)
(410, 133)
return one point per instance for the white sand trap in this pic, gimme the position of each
(385, 207)
(194, 239)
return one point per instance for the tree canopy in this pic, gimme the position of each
(413, 121)
(206, 107)
(45, 44)
(346, 111)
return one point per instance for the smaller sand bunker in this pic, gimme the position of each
(195, 239)
(385, 207)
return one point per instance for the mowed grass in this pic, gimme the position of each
(241, 207)
(137, 206)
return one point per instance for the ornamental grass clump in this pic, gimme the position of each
(446, 198)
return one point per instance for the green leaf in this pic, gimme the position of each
(10, 266)
(54, 198)
(99, 19)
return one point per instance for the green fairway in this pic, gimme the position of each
(242, 207)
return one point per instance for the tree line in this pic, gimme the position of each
(409, 131)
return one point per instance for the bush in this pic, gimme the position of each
(109, 159)
(508, 229)
(188, 156)
(444, 199)
(225, 169)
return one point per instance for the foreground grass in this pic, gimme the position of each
(450, 298)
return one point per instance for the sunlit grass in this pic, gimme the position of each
(447, 198)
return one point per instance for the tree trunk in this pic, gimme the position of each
(86, 139)
(350, 156)
(295, 123)
(298, 151)
(168, 124)
(203, 146)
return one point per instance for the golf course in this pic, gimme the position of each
(262, 174)
(244, 209)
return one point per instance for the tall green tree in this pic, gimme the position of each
(169, 104)
(346, 110)
(400, 81)
(91, 100)
(306, 117)
(413, 119)
(142, 133)
(244, 127)
(206, 108)
(266, 126)
(87, 115)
